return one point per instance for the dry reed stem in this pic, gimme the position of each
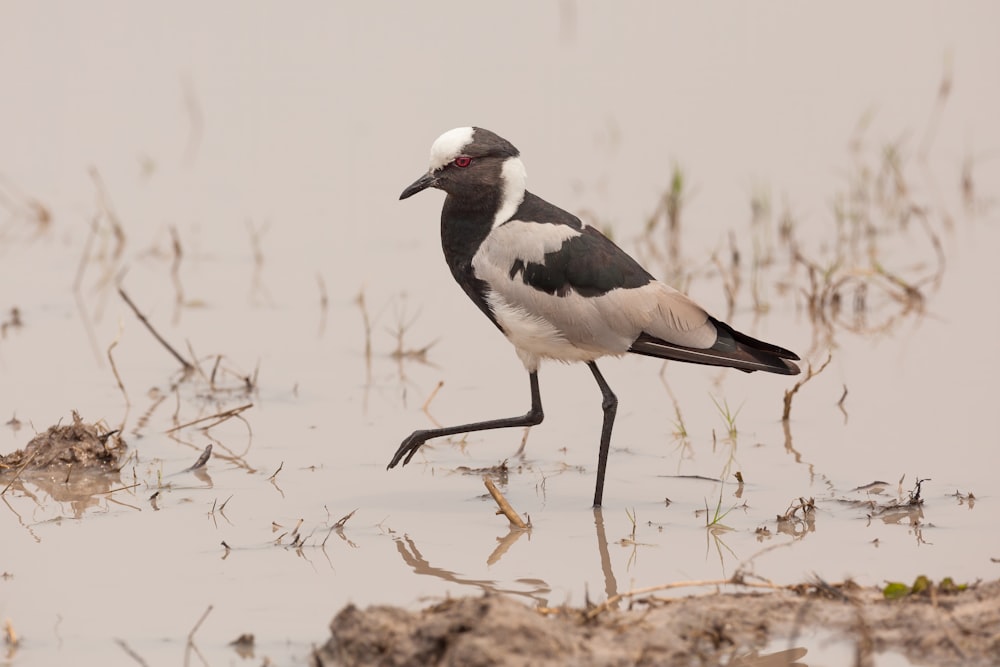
(175, 271)
(840, 403)
(324, 303)
(503, 545)
(430, 397)
(221, 416)
(940, 101)
(202, 458)
(20, 470)
(104, 201)
(117, 489)
(505, 508)
(343, 520)
(131, 653)
(195, 118)
(114, 368)
(85, 255)
(367, 322)
(142, 318)
(190, 638)
(810, 374)
(19, 205)
(9, 635)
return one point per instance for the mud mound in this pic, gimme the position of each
(959, 629)
(79, 444)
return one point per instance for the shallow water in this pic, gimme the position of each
(291, 134)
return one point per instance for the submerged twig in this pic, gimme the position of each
(505, 508)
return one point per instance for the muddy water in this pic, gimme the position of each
(274, 145)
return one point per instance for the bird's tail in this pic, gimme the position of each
(732, 349)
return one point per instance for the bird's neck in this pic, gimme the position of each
(465, 223)
(464, 226)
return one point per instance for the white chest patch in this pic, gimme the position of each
(515, 179)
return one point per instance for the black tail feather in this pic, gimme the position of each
(733, 349)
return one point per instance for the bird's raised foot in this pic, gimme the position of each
(410, 445)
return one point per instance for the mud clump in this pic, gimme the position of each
(80, 445)
(732, 629)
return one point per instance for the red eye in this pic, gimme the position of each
(463, 161)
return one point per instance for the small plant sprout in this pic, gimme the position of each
(713, 519)
(727, 415)
(632, 520)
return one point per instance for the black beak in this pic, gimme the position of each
(428, 180)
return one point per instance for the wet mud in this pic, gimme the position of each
(961, 628)
(80, 444)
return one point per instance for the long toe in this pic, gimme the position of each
(408, 448)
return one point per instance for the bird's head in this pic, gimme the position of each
(470, 163)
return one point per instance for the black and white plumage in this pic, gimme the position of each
(559, 289)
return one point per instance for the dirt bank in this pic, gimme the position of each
(944, 629)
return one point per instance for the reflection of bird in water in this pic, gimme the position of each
(537, 588)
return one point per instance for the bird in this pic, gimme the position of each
(558, 288)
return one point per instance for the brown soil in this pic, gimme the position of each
(942, 629)
(75, 463)
(78, 444)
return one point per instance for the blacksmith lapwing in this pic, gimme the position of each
(558, 288)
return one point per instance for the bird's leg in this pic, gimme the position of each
(610, 405)
(417, 438)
